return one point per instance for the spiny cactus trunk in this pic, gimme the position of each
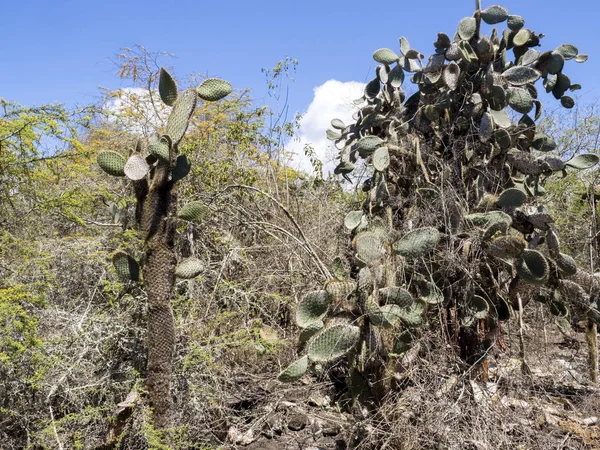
(159, 279)
(591, 334)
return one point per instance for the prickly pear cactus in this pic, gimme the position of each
(455, 192)
(154, 169)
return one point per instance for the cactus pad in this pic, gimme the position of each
(466, 28)
(382, 316)
(566, 264)
(193, 212)
(385, 56)
(294, 371)
(189, 268)
(126, 267)
(333, 342)
(417, 243)
(136, 167)
(353, 219)
(161, 149)
(506, 247)
(179, 118)
(310, 330)
(340, 289)
(369, 247)
(312, 308)
(532, 267)
(112, 163)
(511, 198)
(521, 75)
(213, 89)
(381, 159)
(181, 169)
(584, 161)
(430, 293)
(494, 14)
(167, 88)
(488, 218)
(394, 295)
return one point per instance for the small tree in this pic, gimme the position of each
(453, 230)
(154, 169)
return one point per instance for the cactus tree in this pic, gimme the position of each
(454, 216)
(154, 171)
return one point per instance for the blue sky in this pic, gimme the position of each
(60, 50)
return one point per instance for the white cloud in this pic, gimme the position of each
(135, 111)
(332, 100)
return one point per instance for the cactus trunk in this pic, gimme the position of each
(159, 279)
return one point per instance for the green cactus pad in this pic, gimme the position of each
(501, 118)
(533, 267)
(486, 127)
(506, 247)
(541, 220)
(417, 243)
(467, 27)
(310, 330)
(136, 167)
(522, 37)
(213, 89)
(567, 102)
(566, 264)
(511, 198)
(451, 75)
(189, 268)
(488, 218)
(583, 161)
(502, 138)
(466, 52)
(385, 56)
(332, 135)
(368, 144)
(479, 306)
(193, 212)
(161, 149)
(396, 77)
(520, 100)
(294, 371)
(369, 247)
(515, 23)
(381, 159)
(567, 51)
(167, 88)
(179, 118)
(365, 280)
(340, 289)
(372, 88)
(353, 220)
(394, 295)
(521, 75)
(333, 342)
(382, 316)
(404, 45)
(338, 124)
(112, 163)
(581, 58)
(181, 169)
(126, 267)
(312, 308)
(430, 293)
(494, 14)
